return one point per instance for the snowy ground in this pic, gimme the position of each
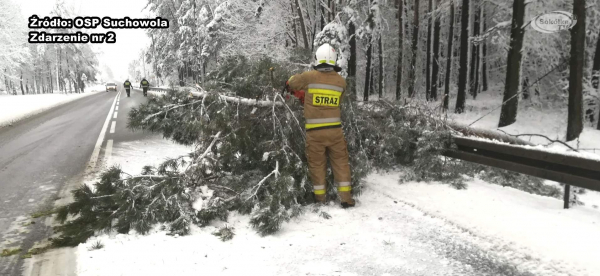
(408, 229)
(17, 107)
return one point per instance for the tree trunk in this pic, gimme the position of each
(508, 114)
(380, 49)
(57, 68)
(400, 52)
(436, 54)
(27, 87)
(525, 88)
(484, 78)
(22, 90)
(323, 16)
(293, 27)
(6, 81)
(596, 74)
(474, 57)
(332, 10)
(302, 25)
(596, 66)
(415, 40)
(449, 57)
(368, 73)
(34, 88)
(329, 14)
(352, 59)
(575, 117)
(50, 77)
(428, 53)
(464, 51)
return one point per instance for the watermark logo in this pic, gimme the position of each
(553, 22)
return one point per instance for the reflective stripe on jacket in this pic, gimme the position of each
(322, 102)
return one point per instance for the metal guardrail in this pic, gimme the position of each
(571, 170)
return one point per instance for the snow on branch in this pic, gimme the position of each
(240, 100)
(552, 141)
(479, 39)
(257, 187)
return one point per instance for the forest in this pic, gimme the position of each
(434, 50)
(28, 68)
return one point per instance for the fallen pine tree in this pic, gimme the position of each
(249, 157)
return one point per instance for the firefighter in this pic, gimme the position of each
(144, 84)
(320, 91)
(127, 86)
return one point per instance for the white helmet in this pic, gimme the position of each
(326, 55)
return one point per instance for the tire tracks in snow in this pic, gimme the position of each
(484, 255)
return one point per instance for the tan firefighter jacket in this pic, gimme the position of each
(323, 97)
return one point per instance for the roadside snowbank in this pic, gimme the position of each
(18, 107)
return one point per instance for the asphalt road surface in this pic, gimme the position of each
(45, 154)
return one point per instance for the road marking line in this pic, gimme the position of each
(116, 108)
(108, 152)
(115, 116)
(96, 152)
(112, 127)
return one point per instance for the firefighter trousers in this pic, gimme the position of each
(320, 144)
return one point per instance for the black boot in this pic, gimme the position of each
(346, 205)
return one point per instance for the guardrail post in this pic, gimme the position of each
(567, 195)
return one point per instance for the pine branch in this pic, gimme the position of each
(260, 183)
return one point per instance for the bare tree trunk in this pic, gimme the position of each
(596, 66)
(474, 57)
(449, 57)
(57, 68)
(352, 59)
(329, 14)
(464, 51)
(484, 78)
(436, 54)
(22, 90)
(596, 74)
(323, 16)
(35, 91)
(400, 52)
(293, 26)
(428, 53)
(575, 117)
(380, 48)
(415, 40)
(302, 25)
(50, 77)
(508, 114)
(27, 87)
(6, 81)
(368, 73)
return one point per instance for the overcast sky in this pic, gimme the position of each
(129, 41)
